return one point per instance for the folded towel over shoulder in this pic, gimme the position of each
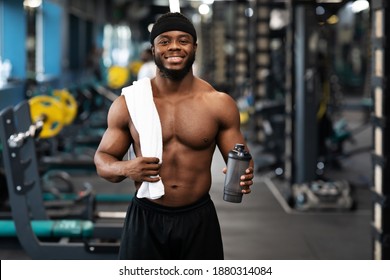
(143, 112)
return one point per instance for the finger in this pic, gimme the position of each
(249, 170)
(151, 173)
(152, 166)
(152, 179)
(247, 177)
(246, 183)
(246, 191)
(224, 170)
(151, 160)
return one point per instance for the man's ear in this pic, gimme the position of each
(152, 48)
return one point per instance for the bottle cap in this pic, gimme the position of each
(239, 153)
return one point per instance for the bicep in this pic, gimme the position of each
(116, 139)
(229, 129)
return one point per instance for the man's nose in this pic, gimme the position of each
(174, 45)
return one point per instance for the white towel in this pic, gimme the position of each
(143, 112)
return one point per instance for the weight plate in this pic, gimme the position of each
(50, 110)
(69, 104)
(117, 76)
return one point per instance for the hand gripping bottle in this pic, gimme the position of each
(238, 162)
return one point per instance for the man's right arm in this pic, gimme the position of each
(115, 144)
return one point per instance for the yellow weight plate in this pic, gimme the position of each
(135, 66)
(69, 104)
(117, 76)
(50, 110)
(244, 117)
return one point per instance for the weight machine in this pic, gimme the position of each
(41, 237)
(306, 130)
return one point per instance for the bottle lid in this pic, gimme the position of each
(239, 147)
(239, 153)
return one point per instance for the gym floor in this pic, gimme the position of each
(263, 226)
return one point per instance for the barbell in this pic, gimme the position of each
(49, 114)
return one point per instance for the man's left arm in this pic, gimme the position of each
(230, 134)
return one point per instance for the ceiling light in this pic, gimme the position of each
(204, 9)
(329, 1)
(174, 6)
(360, 5)
(32, 3)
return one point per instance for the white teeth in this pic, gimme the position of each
(174, 59)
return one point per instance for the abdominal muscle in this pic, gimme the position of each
(185, 174)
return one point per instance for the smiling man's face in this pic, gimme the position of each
(174, 54)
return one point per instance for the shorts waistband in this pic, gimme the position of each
(146, 203)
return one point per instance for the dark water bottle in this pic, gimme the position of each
(238, 162)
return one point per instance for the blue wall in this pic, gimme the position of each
(13, 47)
(52, 18)
(14, 36)
(13, 32)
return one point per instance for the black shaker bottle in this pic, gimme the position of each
(238, 162)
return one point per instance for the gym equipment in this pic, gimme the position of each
(69, 104)
(49, 115)
(65, 202)
(117, 76)
(46, 109)
(323, 195)
(105, 92)
(268, 125)
(27, 206)
(135, 66)
(46, 114)
(58, 184)
(93, 102)
(62, 228)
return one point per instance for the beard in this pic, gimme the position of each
(175, 75)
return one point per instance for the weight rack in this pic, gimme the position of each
(74, 239)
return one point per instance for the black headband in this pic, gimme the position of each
(172, 21)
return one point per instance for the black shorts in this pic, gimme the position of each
(152, 231)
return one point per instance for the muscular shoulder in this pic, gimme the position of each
(211, 93)
(219, 99)
(118, 115)
(221, 103)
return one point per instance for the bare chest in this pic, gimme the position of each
(190, 123)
